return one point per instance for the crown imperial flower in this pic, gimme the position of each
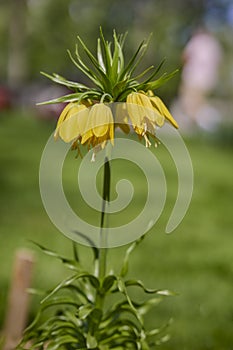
(88, 118)
(144, 117)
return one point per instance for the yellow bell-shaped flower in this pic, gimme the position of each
(142, 114)
(101, 123)
(88, 125)
(72, 122)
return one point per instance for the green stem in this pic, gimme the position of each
(102, 252)
(103, 236)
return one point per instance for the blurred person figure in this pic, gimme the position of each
(201, 60)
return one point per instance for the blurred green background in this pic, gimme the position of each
(196, 260)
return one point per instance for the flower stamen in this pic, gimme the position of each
(145, 129)
(148, 143)
(93, 157)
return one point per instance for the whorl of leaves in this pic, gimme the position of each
(110, 77)
(83, 316)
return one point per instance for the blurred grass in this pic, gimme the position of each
(195, 261)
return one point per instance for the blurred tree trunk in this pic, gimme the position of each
(17, 58)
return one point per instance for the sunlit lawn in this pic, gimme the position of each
(196, 261)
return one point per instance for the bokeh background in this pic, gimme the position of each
(196, 260)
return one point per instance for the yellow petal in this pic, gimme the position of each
(101, 118)
(121, 117)
(86, 130)
(88, 134)
(150, 93)
(152, 114)
(139, 107)
(72, 127)
(64, 113)
(61, 118)
(135, 111)
(111, 133)
(160, 106)
(157, 118)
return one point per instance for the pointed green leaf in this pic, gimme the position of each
(84, 311)
(72, 264)
(59, 301)
(125, 72)
(131, 248)
(155, 331)
(105, 79)
(90, 55)
(58, 342)
(141, 55)
(68, 281)
(138, 283)
(83, 68)
(107, 52)
(155, 72)
(147, 305)
(62, 81)
(152, 85)
(75, 97)
(139, 76)
(100, 56)
(115, 59)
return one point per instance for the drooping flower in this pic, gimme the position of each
(92, 126)
(100, 126)
(145, 118)
(72, 122)
(142, 113)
